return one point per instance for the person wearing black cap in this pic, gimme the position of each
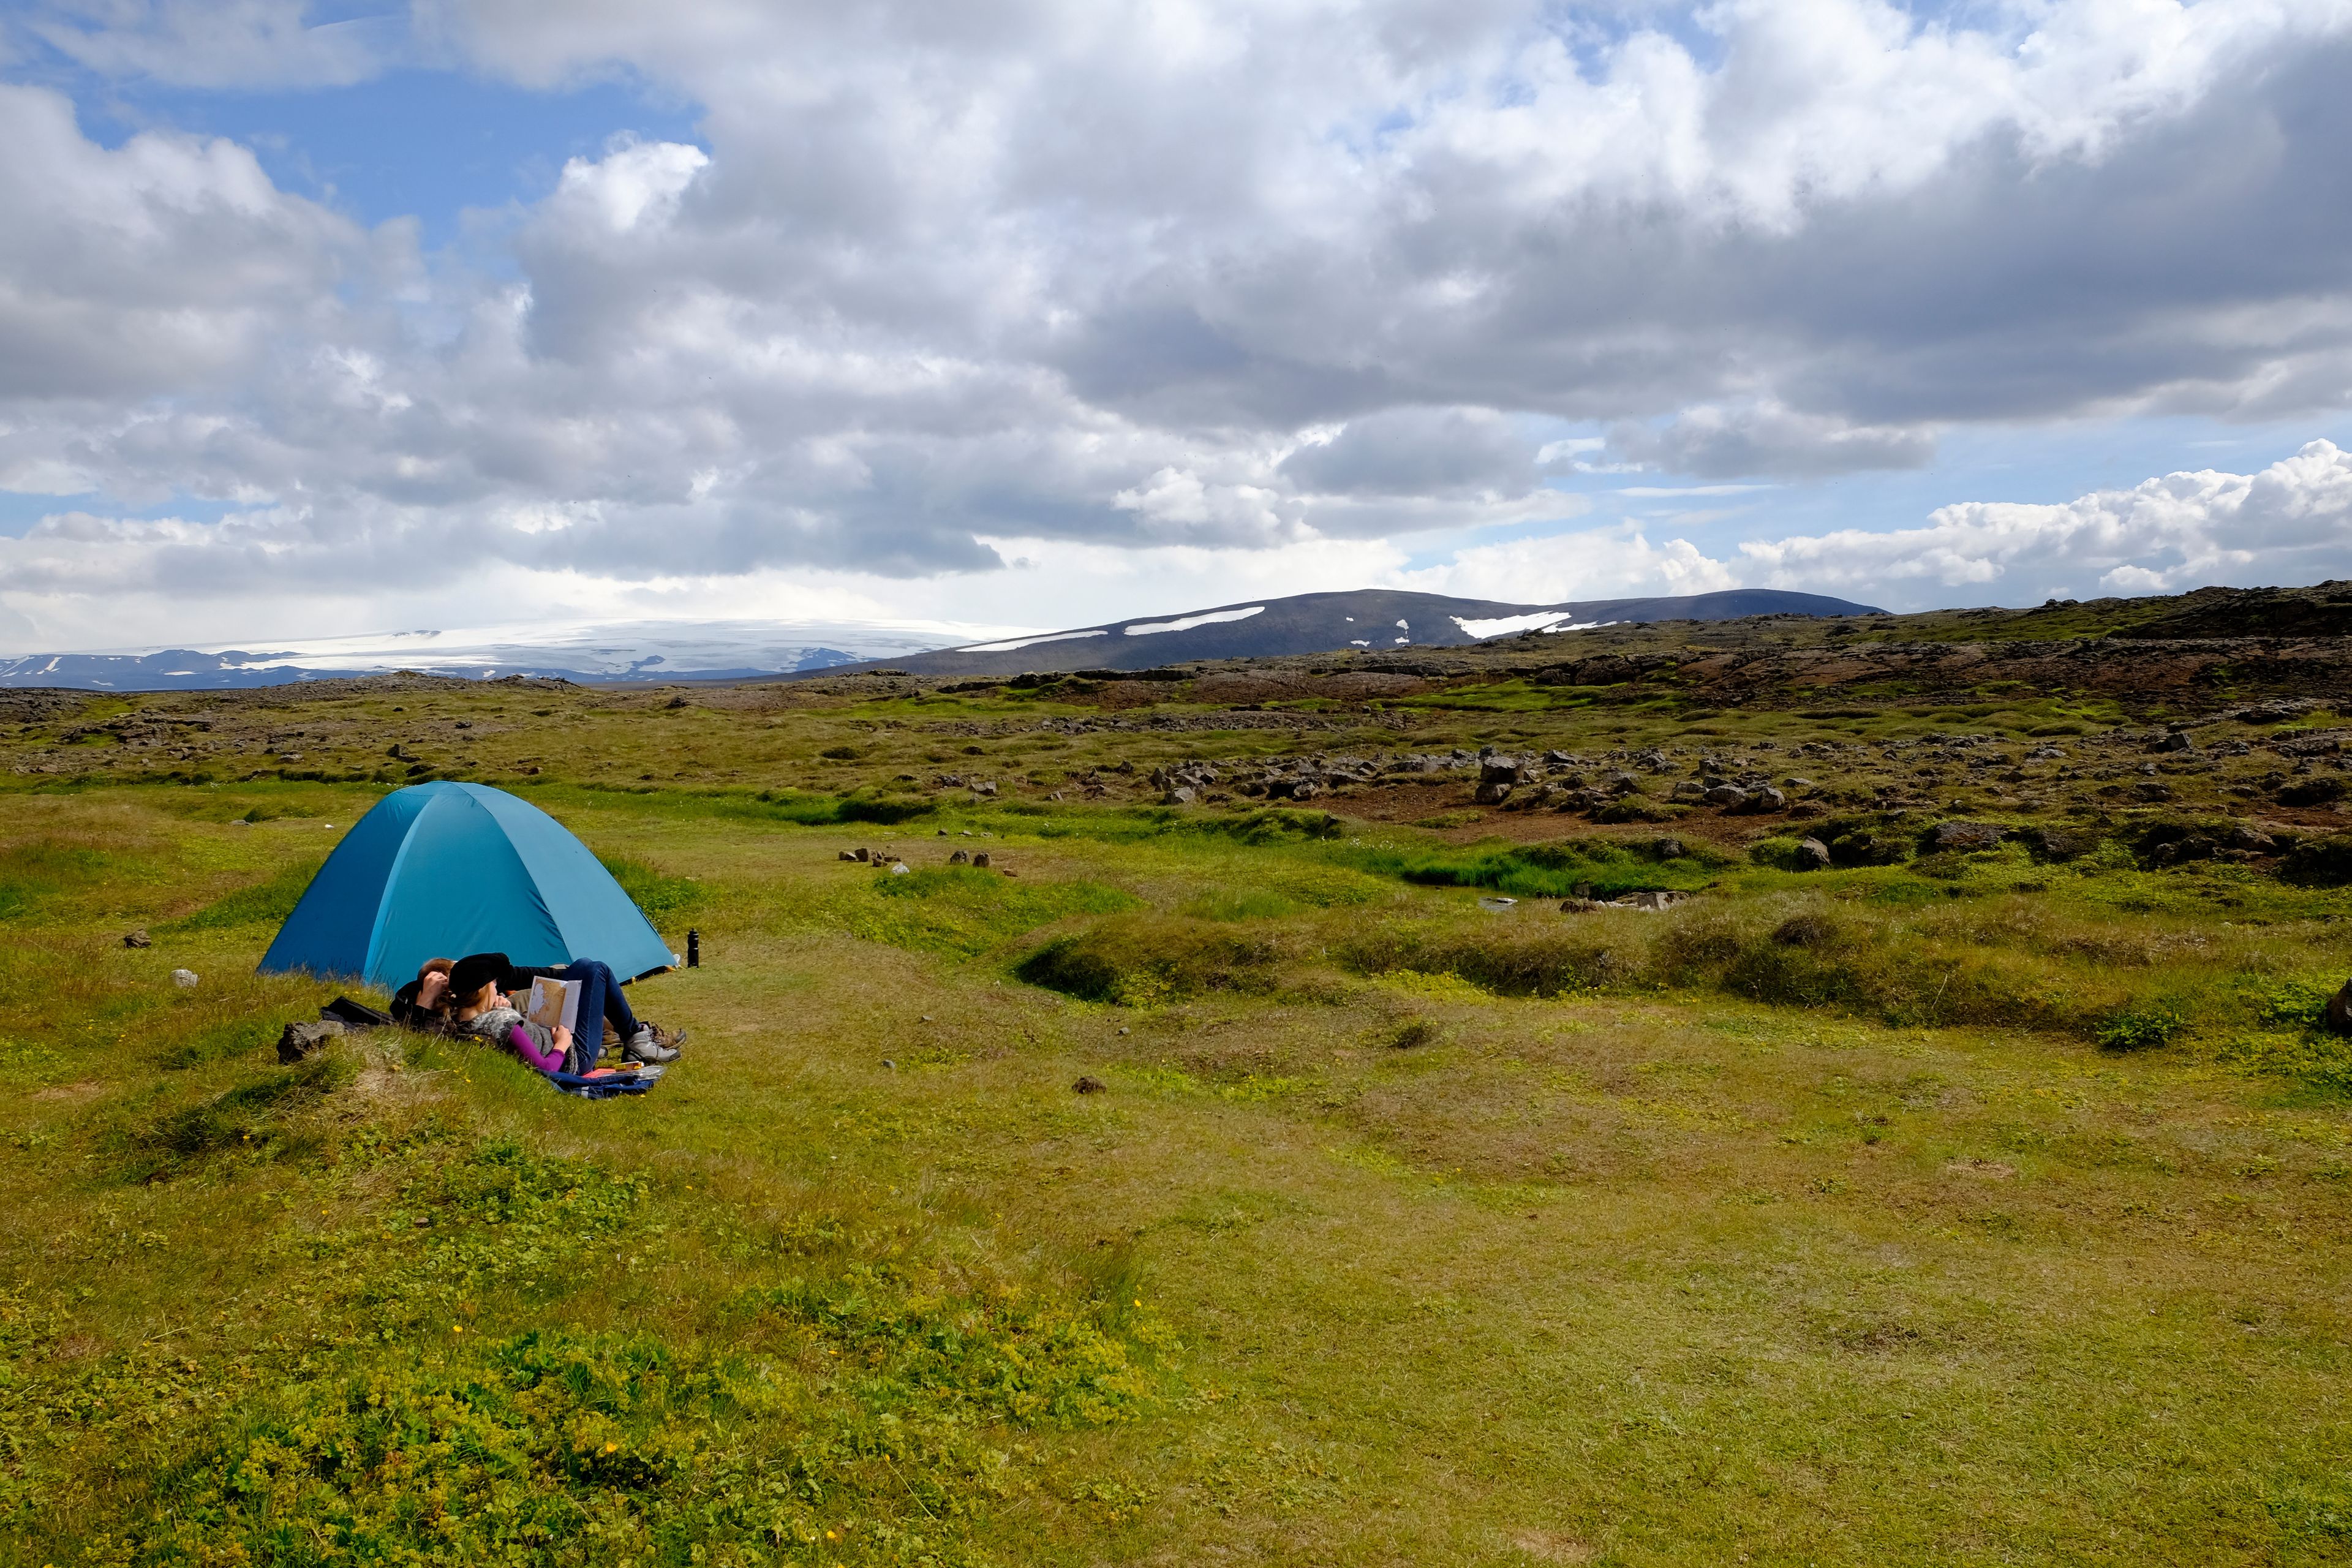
(478, 984)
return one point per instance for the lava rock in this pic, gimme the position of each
(1963, 835)
(303, 1039)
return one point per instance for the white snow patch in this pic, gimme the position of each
(1028, 642)
(1403, 627)
(1583, 627)
(1188, 622)
(1503, 626)
(1359, 642)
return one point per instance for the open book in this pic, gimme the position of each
(553, 1003)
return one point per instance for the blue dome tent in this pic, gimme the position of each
(439, 870)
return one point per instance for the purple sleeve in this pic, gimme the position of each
(520, 1038)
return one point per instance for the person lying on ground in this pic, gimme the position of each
(424, 1002)
(482, 984)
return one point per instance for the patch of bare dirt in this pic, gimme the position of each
(1551, 1546)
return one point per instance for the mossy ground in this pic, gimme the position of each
(1809, 1223)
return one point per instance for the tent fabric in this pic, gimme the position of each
(443, 870)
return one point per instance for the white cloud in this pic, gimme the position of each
(1185, 292)
(2290, 522)
(216, 43)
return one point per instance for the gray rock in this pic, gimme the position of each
(300, 1040)
(980, 860)
(1767, 799)
(1182, 794)
(1690, 790)
(2339, 1010)
(138, 938)
(1491, 793)
(852, 854)
(960, 858)
(1499, 769)
(185, 979)
(1963, 835)
(1812, 855)
(1729, 797)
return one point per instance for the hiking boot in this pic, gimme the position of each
(669, 1039)
(644, 1047)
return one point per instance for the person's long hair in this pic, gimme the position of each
(442, 967)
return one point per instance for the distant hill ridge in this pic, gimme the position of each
(663, 652)
(1371, 620)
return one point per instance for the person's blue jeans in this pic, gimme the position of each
(601, 1001)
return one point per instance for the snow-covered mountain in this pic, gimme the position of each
(651, 650)
(1373, 619)
(724, 650)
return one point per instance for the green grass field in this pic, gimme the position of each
(1979, 1207)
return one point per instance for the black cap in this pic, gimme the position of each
(475, 971)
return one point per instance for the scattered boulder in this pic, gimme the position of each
(980, 861)
(2252, 839)
(1946, 836)
(1089, 1085)
(138, 938)
(960, 858)
(2177, 741)
(2315, 790)
(1668, 848)
(302, 1039)
(1728, 797)
(1767, 799)
(185, 979)
(2193, 847)
(675, 702)
(2339, 1010)
(1182, 794)
(1812, 855)
(1490, 793)
(855, 854)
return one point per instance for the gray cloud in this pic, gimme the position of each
(1201, 275)
(1729, 443)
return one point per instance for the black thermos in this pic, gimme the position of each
(694, 950)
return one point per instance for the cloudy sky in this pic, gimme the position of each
(327, 318)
